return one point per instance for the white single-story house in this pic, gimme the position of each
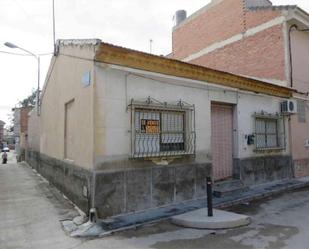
(123, 131)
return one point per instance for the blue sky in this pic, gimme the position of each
(129, 23)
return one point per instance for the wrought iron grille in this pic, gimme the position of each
(162, 129)
(269, 131)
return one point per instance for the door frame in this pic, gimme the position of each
(234, 133)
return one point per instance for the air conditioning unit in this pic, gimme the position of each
(288, 107)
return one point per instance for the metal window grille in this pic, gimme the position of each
(301, 109)
(162, 129)
(269, 132)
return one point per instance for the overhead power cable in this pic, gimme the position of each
(12, 53)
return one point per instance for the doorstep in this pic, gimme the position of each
(127, 221)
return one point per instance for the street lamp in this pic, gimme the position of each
(11, 45)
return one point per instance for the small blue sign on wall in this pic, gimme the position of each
(86, 79)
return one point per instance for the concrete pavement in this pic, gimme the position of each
(31, 211)
(220, 220)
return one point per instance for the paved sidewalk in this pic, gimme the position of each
(30, 211)
(254, 193)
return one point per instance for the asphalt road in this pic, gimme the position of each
(31, 211)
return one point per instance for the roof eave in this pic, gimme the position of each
(300, 17)
(115, 55)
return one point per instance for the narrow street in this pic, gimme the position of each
(31, 211)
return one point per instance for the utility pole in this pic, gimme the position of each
(54, 28)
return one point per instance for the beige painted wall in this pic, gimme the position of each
(34, 130)
(300, 55)
(299, 135)
(64, 85)
(103, 105)
(115, 88)
(112, 118)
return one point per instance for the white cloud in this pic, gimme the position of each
(129, 23)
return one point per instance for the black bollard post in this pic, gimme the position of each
(209, 197)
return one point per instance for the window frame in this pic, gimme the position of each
(280, 132)
(188, 129)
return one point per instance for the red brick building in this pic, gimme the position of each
(256, 39)
(21, 127)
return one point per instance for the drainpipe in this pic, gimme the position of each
(290, 54)
(294, 26)
(291, 146)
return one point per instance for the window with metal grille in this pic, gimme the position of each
(269, 132)
(162, 129)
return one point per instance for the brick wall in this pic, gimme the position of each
(24, 111)
(214, 24)
(257, 17)
(261, 55)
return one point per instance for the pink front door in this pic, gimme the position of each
(222, 141)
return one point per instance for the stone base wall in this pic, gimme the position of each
(301, 167)
(71, 180)
(135, 190)
(258, 170)
(124, 191)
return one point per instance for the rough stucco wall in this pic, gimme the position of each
(34, 131)
(261, 55)
(299, 135)
(113, 120)
(247, 105)
(300, 57)
(65, 85)
(112, 126)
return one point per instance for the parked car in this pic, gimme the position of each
(5, 149)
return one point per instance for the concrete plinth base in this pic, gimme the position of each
(220, 220)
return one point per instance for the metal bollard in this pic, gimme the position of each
(93, 216)
(209, 197)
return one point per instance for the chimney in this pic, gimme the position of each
(180, 16)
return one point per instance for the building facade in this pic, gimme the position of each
(258, 40)
(1, 133)
(20, 130)
(129, 131)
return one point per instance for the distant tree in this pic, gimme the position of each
(10, 125)
(30, 100)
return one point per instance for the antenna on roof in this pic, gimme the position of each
(150, 45)
(54, 29)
